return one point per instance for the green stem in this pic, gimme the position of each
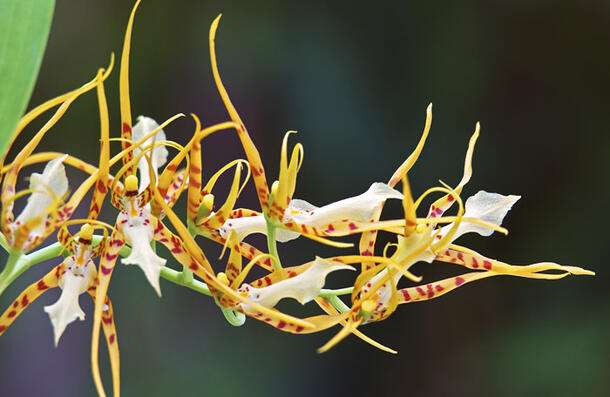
(272, 246)
(338, 304)
(187, 274)
(327, 293)
(234, 318)
(22, 262)
(4, 243)
(11, 270)
(177, 277)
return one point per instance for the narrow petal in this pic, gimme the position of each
(217, 219)
(124, 100)
(367, 240)
(304, 287)
(205, 272)
(29, 295)
(101, 187)
(328, 308)
(247, 250)
(444, 203)
(106, 268)
(177, 187)
(233, 268)
(254, 158)
(111, 341)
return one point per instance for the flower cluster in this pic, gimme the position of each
(151, 181)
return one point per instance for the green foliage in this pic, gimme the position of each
(24, 28)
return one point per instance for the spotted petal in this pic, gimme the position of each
(73, 283)
(46, 187)
(254, 224)
(304, 287)
(360, 208)
(138, 234)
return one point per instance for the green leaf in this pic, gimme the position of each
(24, 29)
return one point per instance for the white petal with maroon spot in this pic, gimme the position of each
(358, 208)
(303, 287)
(138, 232)
(73, 283)
(50, 185)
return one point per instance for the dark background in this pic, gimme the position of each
(355, 80)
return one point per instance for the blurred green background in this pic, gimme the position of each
(355, 80)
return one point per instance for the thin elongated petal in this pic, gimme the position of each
(287, 179)
(73, 282)
(177, 187)
(195, 169)
(439, 288)
(316, 323)
(101, 186)
(173, 243)
(303, 287)
(218, 218)
(233, 267)
(65, 239)
(125, 102)
(348, 328)
(111, 341)
(254, 158)
(29, 295)
(328, 308)
(473, 260)
(207, 274)
(444, 203)
(51, 103)
(106, 268)
(247, 250)
(368, 238)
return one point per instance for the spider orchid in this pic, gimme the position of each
(345, 217)
(138, 223)
(302, 283)
(45, 210)
(375, 295)
(75, 275)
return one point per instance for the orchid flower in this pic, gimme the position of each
(45, 210)
(358, 208)
(34, 222)
(75, 275)
(375, 295)
(337, 219)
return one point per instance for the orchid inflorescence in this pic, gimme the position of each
(149, 184)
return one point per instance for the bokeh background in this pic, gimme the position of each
(355, 79)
